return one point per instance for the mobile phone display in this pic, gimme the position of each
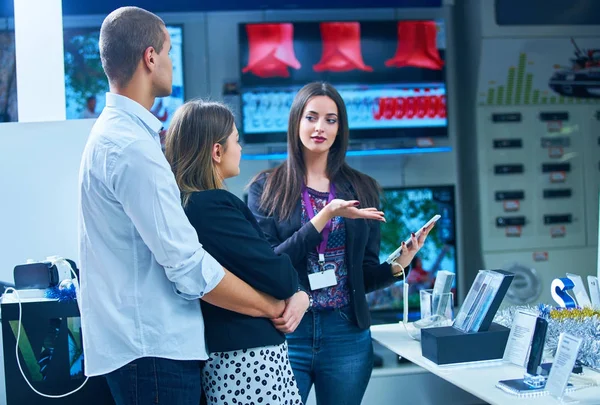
(408, 241)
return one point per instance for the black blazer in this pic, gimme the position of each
(228, 231)
(365, 273)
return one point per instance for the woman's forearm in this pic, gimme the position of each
(320, 220)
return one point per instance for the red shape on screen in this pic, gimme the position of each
(271, 50)
(341, 48)
(411, 107)
(400, 105)
(434, 105)
(422, 106)
(417, 46)
(387, 107)
(442, 107)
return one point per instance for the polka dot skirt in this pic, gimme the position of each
(262, 375)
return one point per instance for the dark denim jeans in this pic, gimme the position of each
(153, 380)
(329, 350)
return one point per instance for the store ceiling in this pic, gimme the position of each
(78, 7)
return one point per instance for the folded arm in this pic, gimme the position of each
(229, 232)
(235, 295)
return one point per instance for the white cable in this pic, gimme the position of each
(405, 305)
(17, 347)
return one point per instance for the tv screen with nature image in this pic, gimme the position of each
(86, 84)
(8, 77)
(407, 209)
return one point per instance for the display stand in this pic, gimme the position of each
(50, 351)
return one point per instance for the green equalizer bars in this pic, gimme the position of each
(510, 84)
(528, 84)
(519, 90)
(490, 96)
(500, 95)
(520, 75)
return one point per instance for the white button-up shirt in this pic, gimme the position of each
(142, 267)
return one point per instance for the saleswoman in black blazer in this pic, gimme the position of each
(248, 360)
(308, 208)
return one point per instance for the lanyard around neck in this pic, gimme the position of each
(310, 212)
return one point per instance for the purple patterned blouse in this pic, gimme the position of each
(336, 296)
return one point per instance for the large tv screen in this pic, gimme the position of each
(8, 77)
(391, 75)
(86, 84)
(406, 210)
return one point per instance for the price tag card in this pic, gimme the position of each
(540, 256)
(424, 142)
(513, 231)
(554, 126)
(566, 354)
(511, 205)
(558, 177)
(558, 231)
(555, 152)
(519, 340)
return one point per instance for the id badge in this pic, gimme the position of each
(322, 279)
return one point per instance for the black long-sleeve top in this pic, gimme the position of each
(229, 232)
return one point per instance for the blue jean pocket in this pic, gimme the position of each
(347, 315)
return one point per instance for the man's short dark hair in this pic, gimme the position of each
(124, 36)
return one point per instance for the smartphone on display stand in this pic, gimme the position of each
(537, 346)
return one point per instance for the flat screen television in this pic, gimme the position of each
(85, 80)
(406, 210)
(8, 77)
(391, 74)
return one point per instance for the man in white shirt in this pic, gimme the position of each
(142, 267)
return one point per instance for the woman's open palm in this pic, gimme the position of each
(348, 209)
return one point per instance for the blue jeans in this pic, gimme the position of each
(329, 350)
(153, 380)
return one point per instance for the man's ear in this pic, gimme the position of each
(217, 152)
(149, 58)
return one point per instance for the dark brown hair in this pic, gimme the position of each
(196, 127)
(284, 183)
(125, 35)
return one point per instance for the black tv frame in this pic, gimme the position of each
(356, 135)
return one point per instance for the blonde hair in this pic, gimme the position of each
(195, 128)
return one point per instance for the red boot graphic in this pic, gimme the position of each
(271, 50)
(341, 48)
(417, 46)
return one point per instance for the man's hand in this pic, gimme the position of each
(294, 311)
